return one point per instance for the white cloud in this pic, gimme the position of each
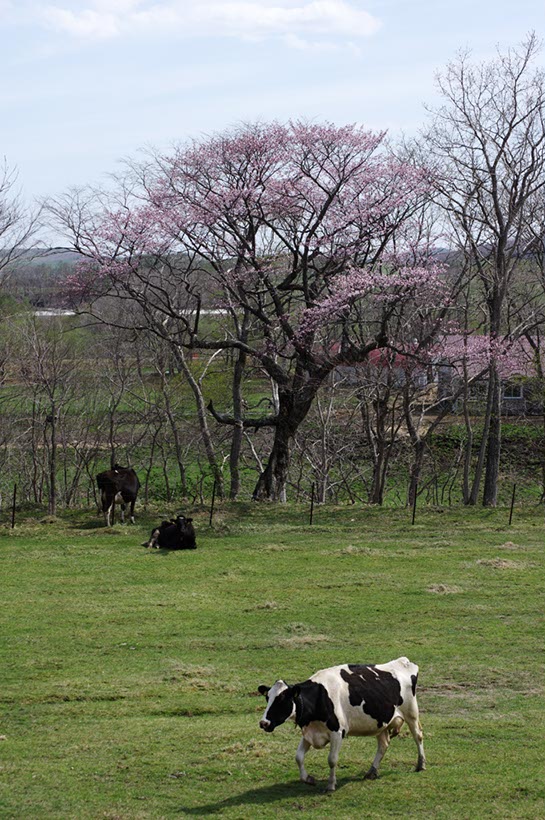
(292, 20)
(87, 23)
(301, 44)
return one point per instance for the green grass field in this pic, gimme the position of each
(128, 677)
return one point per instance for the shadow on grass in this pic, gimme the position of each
(265, 795)
(161, 552)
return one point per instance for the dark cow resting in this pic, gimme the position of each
(176, 534)
(120, 484)
(351, 699)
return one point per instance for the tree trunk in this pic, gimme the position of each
(493, 445)
(271, 484)
(111, 435)
(176, 437)
(238, 428)
(203, 423)
(379, 446)
(52, 505)
(293, 408)
(473, 496)
(468, 448)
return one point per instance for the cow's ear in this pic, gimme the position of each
(263, 690)
(295, 691)
(189, 520)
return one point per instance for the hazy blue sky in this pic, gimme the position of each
(87, 82)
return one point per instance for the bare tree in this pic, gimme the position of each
(487, 146)
(18, 224)
(48, 363)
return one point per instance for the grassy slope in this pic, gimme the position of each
(129, 677)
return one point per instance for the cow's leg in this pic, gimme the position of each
(333, 758)
(132, 511)
(302, 749)
(154, 538)
(416, 731)
(123, 508)
(383, 741)
(105, 504)
(110, 514)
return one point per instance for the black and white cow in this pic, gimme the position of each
(176, 534)
(364, 700)
(122, 484)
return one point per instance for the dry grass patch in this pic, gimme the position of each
(301, 641)
(274, 548)
(353, 550)
(509, 545)
(266, 605)
(444, 589)
(501, 563)
(191, 676)
(188, 670)
(300, 637)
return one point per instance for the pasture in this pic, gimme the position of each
(129, 677)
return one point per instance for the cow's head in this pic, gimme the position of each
(183, 523)
(280, 704)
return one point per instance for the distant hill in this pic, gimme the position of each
(54, 256)
(37, 277)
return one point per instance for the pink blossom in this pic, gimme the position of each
(421, 284)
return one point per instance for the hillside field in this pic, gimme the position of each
(129, 677)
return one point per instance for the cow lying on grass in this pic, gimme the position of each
(347, 700)
(176, 534)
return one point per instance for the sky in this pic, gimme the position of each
(86, 83)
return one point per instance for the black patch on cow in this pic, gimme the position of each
(378, 692)
(312, 702)
(414, 681)
(121, 480)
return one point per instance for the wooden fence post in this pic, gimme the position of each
(512, 504)
(13, 506)
(212, 504)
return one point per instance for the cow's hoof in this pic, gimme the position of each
(310, 780)
(330, 790)
(421, 767)
(372, 774)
